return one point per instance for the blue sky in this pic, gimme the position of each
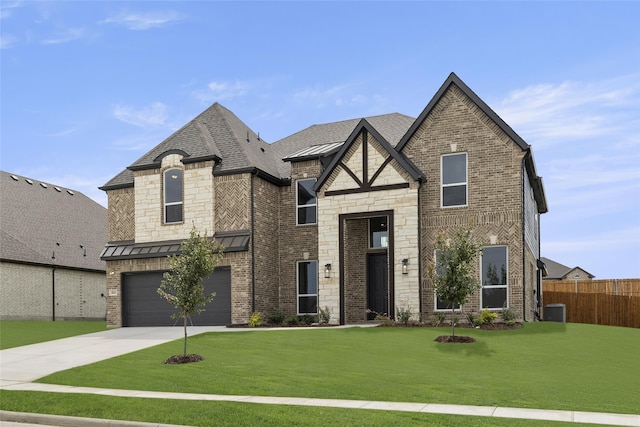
(88, 87)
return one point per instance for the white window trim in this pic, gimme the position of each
(506, 286)
(315, 205)
(465, 183)
(298, 286)
(435, 296)
(164, 197)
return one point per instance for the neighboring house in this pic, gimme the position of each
(50, 243)
(341, 215)
(557, 271)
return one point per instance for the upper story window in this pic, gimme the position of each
(172, 196)
(454, 180)
(306, 202)
(494, 277)
(378, 233)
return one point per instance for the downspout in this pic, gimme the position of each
(253, 246)
(524, 242)
(53, 293)
(419, 252)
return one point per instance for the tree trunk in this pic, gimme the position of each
(453, 323)
(185, 335)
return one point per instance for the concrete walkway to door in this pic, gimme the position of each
(20, 366)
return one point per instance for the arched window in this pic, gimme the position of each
(172, 196)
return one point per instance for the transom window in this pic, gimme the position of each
(378, 232)
(494, 277)
(454, 180)
(307, 287)
(306, 202)
(172, 196)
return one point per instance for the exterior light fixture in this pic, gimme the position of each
(327, 271)
(405, 266)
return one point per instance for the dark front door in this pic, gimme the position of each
(377, 285)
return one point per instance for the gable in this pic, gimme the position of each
(366, 162)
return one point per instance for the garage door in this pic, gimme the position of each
(142, 306)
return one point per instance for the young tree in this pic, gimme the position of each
(182, 285)
(453, 271)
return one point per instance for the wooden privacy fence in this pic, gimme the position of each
(599, 302)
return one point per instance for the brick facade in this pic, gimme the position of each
(368, 178)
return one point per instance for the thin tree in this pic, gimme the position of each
(182, 285)
(453, 272)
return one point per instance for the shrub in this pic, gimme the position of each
(292, 321)
(308, 319)
(508, 316)
(255, 320)
(324, 316)
(471, 319)
(487, 317)
(276, 317)
(439, 319)
(404, 315)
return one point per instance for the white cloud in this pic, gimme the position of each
(551, 114)
(152, 115)
(221, 90)
(144, 21)
(6, 8)
(7, 41)
(65, 36)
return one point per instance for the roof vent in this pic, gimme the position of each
(43, 185)
(57, 189)
(70, 192)
(13, 177)
(29, 181)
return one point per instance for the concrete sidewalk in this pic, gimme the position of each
(22, 365)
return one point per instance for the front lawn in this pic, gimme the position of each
(543, 365)
(15, 333)
(234, 414)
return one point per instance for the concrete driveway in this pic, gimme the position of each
(30, 362)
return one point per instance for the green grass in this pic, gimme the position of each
(543, 365)
(199, 413)
(15, 333)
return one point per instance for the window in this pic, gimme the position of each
(441, 304)
(307, 287)
(494, 277)
(172, 196)
(378, 233)
(306, 202)
(454, 180)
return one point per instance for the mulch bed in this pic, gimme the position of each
(180, 359)
(455, 339)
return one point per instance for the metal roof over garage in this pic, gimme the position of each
(234, 241)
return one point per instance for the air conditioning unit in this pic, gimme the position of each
(555, 313)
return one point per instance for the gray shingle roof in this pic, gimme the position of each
(38, 219)
(215, 134)
(557, 271)
(391, 126)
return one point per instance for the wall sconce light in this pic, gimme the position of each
(405, 266)
(327, 271)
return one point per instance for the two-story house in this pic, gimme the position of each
(341, 215)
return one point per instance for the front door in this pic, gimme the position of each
(377, 285)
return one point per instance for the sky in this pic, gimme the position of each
(87, 87)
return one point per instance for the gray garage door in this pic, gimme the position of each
(142, 306)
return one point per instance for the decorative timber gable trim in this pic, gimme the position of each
(366, 162)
